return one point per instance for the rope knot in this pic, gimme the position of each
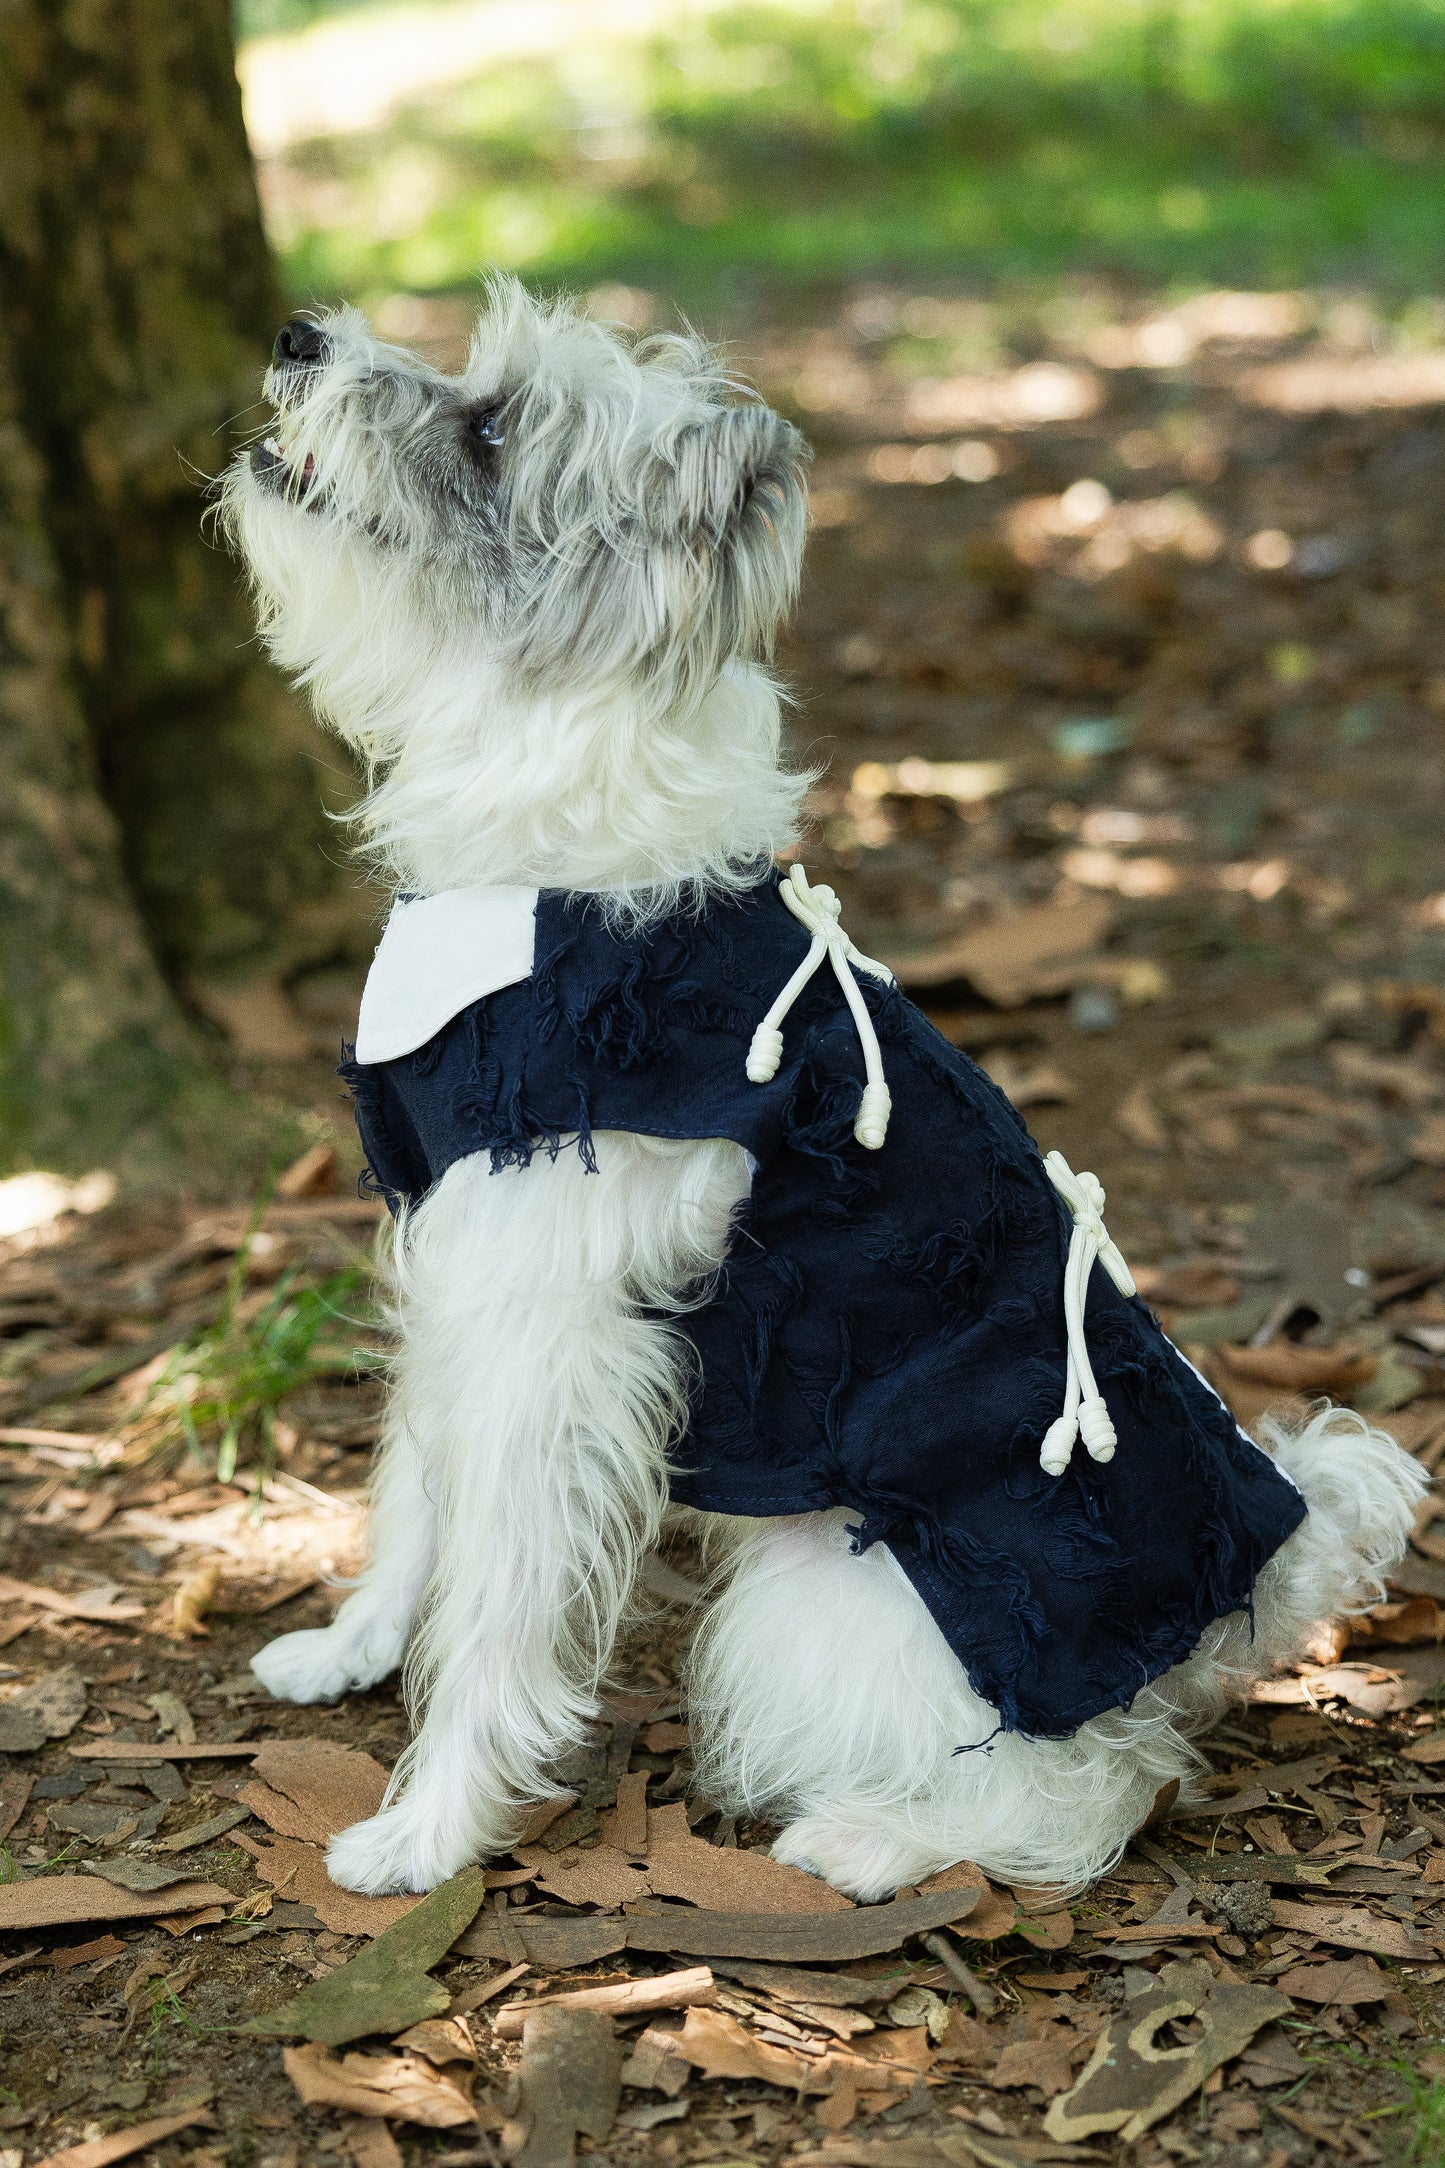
(820, 910)
(1085, 1413)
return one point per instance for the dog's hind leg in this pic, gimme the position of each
(367, 1638)
(548, 1389)
(823, 1695)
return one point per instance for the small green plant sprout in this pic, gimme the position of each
(166, 2008)
(1427, 2120)
(222, 1388)
(1422, 2111)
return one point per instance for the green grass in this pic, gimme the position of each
(222, 1389)
(1257, 141)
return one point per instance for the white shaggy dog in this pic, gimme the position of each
(534, 599)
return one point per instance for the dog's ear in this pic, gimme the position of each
(717, 563)
(734, 503)
(680, 555)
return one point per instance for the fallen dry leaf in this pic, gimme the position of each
(100, 1604)
(720, 2046)
(1339, 1980)
(404, 2088)
(1027, 1084)
(1041, 2053)
(1021, 956)
(215, 1825)
(65, 1900)
(136, 1874)
(1140, 1121)
(1401, 1081)
(313, 1788)
(1297, 1369)
(1366, 1687)
(1130, 2082)
(1355, 1929)
(1428, 1143)
(121, 2144)
(388, 1986)
(441, 2040)
(993, 1916)
(88, 1953)
(1188, 1287)
(789, 1983)
(1413, 1622)
(182, 1923)
(1427, 1750)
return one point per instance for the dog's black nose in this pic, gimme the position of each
(298, 343)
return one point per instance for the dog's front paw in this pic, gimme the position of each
(319, 1665)
(398, 1849)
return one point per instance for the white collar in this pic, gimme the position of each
(437, 955)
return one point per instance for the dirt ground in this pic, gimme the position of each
(1119, 655)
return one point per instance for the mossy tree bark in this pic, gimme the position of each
(161, 823)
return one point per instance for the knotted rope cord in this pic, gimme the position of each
(1084, 1410)
(819, 910)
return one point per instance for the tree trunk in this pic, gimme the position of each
(160, 818)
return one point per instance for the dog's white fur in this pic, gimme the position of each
(549, 658)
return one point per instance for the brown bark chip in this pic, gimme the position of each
(313, 1788)
(625, 1828)
(65, 1900)
(597, 1875)
(297, 1872)
(48, 1707)
(817, 1938)
(146, 1751)
(727, 1879)
(1133, 2080)
(625, 1998)
(14, 1798)
(368, 2143)
(569, 2080)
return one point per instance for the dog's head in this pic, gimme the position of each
(572, 510)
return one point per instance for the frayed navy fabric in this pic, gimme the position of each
(887, 1334)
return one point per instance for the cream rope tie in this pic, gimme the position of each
(1084, 1410)
(819, 910)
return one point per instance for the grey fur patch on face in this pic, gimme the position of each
(579, 505)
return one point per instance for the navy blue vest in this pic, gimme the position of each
(888, 1332)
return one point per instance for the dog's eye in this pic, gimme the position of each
(485, 427)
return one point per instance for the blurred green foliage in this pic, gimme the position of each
(1256, 141)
